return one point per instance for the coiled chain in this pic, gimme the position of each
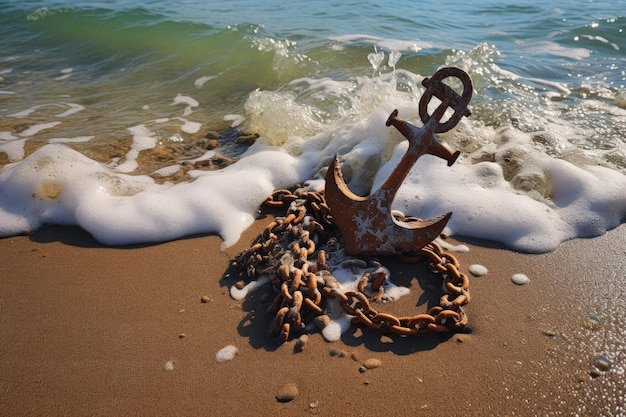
(293, 250)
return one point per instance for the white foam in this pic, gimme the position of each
(167, 171)
(67, 72)
(554, 48)
(77, 139)
(73, 108)
(335, 328)
(207, 155)
(26, 112)
(5, 135)
(185, 100)
(142, 139)
(120, 209)
(240, 294)
(505, 187)
(587, 200)
(189, 126)
(34, 129)
(14, 149)
(190, 102)
(391, 44)
(199, 82)
(236, 119)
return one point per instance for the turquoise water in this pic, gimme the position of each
(137, 87)
(126, 54)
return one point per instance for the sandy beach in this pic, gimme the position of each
(93, 330)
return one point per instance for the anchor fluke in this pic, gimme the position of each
(367, 225)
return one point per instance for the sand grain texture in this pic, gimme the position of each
(87, 330)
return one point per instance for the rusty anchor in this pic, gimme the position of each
(367, 224)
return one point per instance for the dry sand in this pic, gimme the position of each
(88, 330)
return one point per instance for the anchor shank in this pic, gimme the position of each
(397, 177)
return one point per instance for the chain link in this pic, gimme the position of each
(293, 250)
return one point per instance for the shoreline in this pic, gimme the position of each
(89, 329)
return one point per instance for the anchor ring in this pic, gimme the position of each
(449, 98)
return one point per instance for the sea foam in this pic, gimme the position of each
(528, 191)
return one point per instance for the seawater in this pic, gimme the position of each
(105, 110)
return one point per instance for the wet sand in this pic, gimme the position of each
(88, 330)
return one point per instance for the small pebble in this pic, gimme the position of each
(169, 366)
(354, 356)
(362, 369)
(461, 338)
(182, 336)
(226, 354)
(334, 352)
(205, 299)
(592, 322)
(372, 363)
(321, 321)
(520, 279)
(478, 270)
(287, 393)
(301, 343)
(240, 284)
(594, 373)
(602, 363)
(314, 404)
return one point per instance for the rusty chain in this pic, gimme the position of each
(293, 250)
